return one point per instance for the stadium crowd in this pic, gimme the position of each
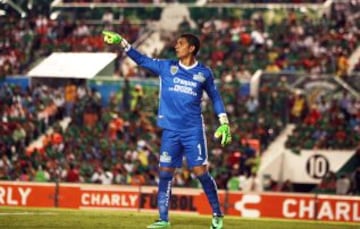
(120, 139)
(328, 124)
(118, 143)
(325, 44)
(25, 41)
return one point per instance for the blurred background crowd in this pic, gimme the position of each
(83, 140)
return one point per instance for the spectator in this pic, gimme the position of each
(253, 184)
(233, 184)
(252, 105)
(298, 108)
(101, 177)
(72, 174)
(41, 175)
(355, 180)
(270, 184)
(138, 179)
(343, 184)
(25, 175)
(70, 97)
(328, 183)
(287, 186)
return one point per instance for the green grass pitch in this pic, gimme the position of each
(19, 218)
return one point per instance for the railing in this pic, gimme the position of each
(197, 4)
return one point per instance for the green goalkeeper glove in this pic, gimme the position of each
(113, 38)
(223, 130)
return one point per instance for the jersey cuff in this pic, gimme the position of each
(127, 48)
(223, 119)
(125, 45)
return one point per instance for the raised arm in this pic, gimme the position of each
(154, 65)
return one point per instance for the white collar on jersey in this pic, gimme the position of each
(188, 67)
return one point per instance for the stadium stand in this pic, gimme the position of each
(120, 140)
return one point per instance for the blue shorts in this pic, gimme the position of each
(178, 144)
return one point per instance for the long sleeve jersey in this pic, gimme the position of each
(181, 90)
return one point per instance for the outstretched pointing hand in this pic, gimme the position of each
(112, 38)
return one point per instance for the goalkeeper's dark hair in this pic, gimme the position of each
(192, 40)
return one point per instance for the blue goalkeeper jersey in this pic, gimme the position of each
(181, 90)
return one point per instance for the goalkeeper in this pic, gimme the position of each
(182, 83)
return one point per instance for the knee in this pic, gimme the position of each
(200, 170)
(166, 175)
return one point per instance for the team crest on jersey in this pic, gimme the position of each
(199, 77)
(174, 69)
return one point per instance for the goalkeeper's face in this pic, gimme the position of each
(183, 49)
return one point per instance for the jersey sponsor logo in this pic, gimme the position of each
(183, 89)
(174, 69)
(184, 86)
(199, 77)
(164, 157)
(187, 83)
